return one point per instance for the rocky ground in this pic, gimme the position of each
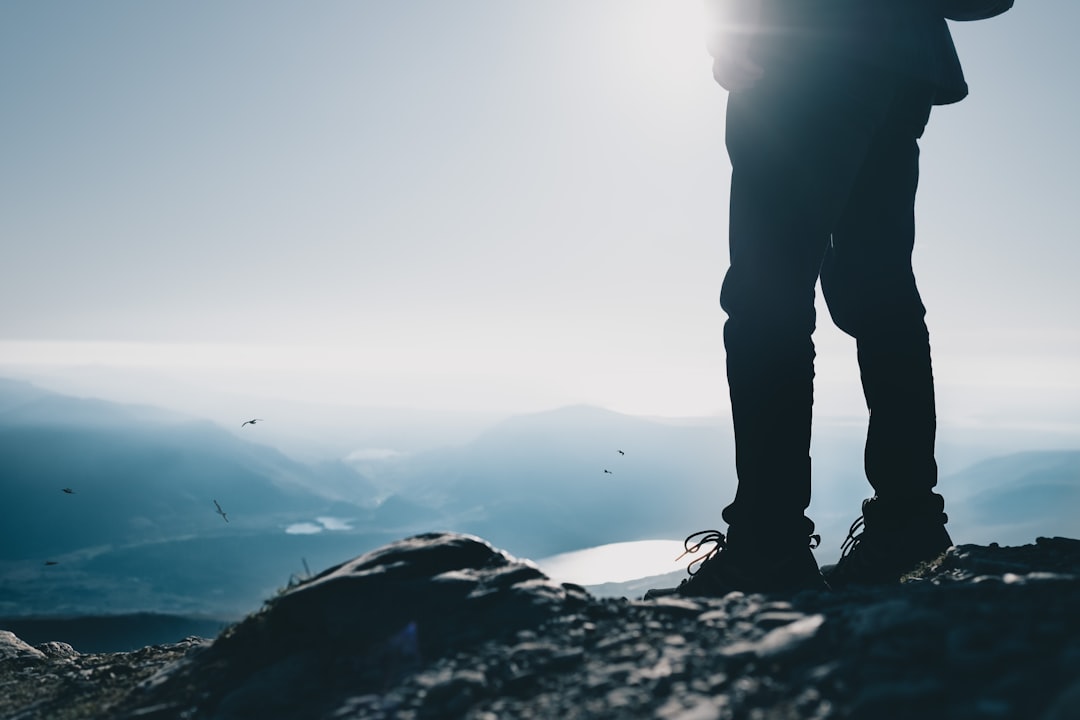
(444, 626)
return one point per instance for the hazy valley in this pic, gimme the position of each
(140, 533)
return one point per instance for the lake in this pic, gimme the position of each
(616, 562)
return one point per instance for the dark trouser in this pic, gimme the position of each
(824, 171)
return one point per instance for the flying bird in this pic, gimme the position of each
(69, 491)
(220, 511)
(250, 422)
(51, 562)
(609, 472)
(621, 452)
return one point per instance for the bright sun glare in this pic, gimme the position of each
(668, 34)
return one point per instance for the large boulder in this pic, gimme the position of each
(445, 590)
(360, 625)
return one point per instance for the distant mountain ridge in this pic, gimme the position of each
(137, 474)
(556, 481)
(22, 403)
(140, 531)
(1013, 498)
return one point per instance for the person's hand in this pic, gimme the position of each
(734, 69)
(732, 26)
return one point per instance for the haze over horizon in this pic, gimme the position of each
(109, 506)
(482, 207)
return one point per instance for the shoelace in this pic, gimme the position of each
(719, 543)
(692, 548)
(855, 533)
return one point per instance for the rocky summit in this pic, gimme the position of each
(446, 626)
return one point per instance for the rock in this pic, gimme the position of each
(57, 650)
(450, 588)
(12, 648)
(56, 681)
(780, 641)
(1066, 706)
(373, 620)
(445, 626)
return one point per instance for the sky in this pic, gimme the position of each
(490, 205)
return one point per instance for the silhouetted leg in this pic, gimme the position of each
(795, 154)
(870, 289)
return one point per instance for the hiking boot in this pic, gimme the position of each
(744, 567)
(880, 549)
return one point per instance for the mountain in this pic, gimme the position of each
(137, 474)
(139, 529)
(1013, 498)
(308, 431)
(537, 483)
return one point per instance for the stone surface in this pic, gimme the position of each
(12, 648)
(445, 626)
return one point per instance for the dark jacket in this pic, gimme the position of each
(923, 48)
(933, 54)
(907, 37)
(923, 45)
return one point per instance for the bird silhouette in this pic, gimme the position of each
(51, 562)
(621, 452)
(250, 422)
(221, 512)
(609, 472)
(69, 491)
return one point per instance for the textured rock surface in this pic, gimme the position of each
(446, 626)
(12, 648)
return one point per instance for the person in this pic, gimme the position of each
(827, 101)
